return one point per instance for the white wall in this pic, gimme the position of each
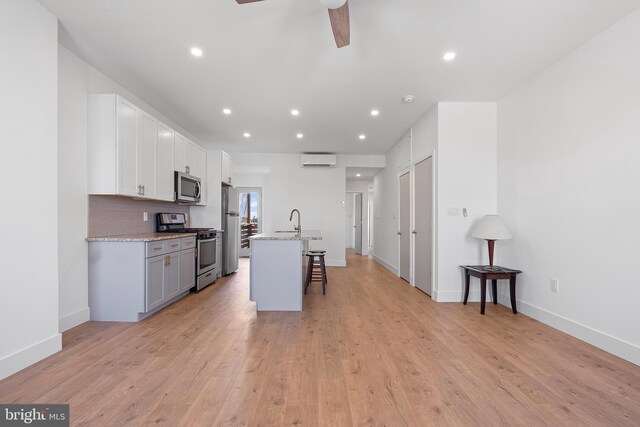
(72, 190)
(29, 253)
(348, 220)
(569, 145)
(317, 192)
(467, 178)
(462, 138)
(77, 79)
(385, 189)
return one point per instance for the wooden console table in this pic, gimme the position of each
(498, 273)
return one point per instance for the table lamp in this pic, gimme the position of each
(491, 228)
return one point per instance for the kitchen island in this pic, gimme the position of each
(278, 265)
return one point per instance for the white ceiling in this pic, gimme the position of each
(262, 59)
(366, 174)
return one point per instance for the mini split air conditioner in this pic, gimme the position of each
(319, 160)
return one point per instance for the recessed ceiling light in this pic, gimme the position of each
(295, 112)
(358, 175)
(408, 99)
(197, 52)
(247, 135)
(449, 56)
(362, 136)
(375, 113)
(226, 111)
(299, 136)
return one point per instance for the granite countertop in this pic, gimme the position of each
(146, 237)
(289, 235)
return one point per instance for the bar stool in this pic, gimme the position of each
(316, 270)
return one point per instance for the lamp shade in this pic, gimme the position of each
(491, 227)
(333, 4)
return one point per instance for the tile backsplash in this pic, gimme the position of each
(115, 216)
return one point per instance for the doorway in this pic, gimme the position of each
(250, 217)
(404, 226)
(423, 231)
(357, 223)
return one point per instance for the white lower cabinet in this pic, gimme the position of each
(164, 277)
(187, 270)
(130, 280)
(155, 282)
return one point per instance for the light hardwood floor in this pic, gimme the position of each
(373, 351)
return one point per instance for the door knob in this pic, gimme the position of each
(399, 233)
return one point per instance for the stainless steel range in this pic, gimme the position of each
(207, 257)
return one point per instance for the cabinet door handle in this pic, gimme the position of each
(399, 233)
(143, 190)
(414, 232)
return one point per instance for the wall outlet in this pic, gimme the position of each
(454, 211)
(555, 285)
(145, 216)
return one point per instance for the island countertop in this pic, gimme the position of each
(289, 235)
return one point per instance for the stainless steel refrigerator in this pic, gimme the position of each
(231, 227)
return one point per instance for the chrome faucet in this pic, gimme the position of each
(298, 228)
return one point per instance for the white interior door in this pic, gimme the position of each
(348, 221)
(423, 216)
(405, 227)
(357, 223)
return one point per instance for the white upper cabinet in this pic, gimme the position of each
(131, 153)
(127, 148)
(186, 153)
(227, 168)
(147, 155)
(180, 163)
(200, 170)
(192, 159)
(190, 156)
(165, 163)
(122, 149)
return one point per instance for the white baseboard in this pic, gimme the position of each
(19, 360)
(348, 246)
(604, 341)
(456, 296)
(385, 264)
(336, 263)
(74, 319)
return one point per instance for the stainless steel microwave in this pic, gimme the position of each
(187, 188)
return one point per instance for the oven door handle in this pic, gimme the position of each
(206, 240)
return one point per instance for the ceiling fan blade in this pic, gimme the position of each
(340, 25)
(246, 1)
